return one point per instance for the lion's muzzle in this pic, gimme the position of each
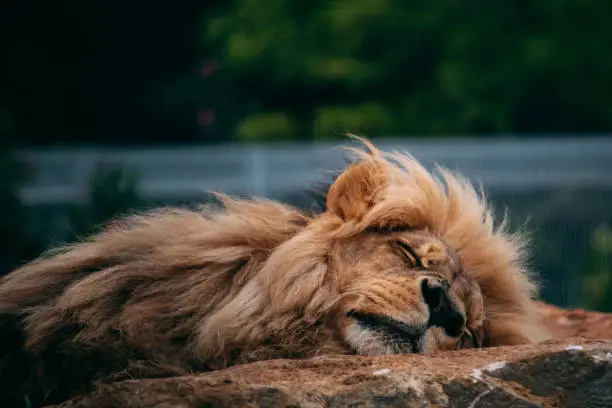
(443, 312)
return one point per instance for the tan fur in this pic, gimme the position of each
(174, 291)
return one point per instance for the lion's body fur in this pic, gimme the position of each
(177, 291)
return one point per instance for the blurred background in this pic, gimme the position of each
(109, 107)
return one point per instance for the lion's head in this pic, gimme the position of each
(400, 261)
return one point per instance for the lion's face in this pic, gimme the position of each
(404, 292)
(402, 288)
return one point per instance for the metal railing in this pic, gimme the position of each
(273, 171)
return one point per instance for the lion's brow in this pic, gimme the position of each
(390, 229)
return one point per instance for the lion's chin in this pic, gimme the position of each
(369, 334)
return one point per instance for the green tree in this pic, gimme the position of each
(598, 279)
(113, 192)
(389, 67)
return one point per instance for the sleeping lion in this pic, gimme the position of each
(400, 261)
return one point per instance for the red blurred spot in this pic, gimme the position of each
(206, 117)
(209, 67)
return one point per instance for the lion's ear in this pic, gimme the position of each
(357, 189)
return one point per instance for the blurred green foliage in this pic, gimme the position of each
(266, 126)
(598, 277)
(393, 67)
(366, 119)
(113, 191)
(215, 71)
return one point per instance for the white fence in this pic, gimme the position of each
(273, 171)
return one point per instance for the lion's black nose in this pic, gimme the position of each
(442, 310)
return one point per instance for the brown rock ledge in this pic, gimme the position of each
(561, 373)
(577, 322)
(567, 372)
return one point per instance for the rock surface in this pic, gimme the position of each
(577, 323)
(566, 372)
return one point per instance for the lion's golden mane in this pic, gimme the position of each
(175, 290)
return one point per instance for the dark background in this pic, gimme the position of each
(161, 74)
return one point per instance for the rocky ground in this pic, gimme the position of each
(575, 370)
(577, 323)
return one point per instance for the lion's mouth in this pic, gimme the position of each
(392, 330)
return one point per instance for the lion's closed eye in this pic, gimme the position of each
(409, 254)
